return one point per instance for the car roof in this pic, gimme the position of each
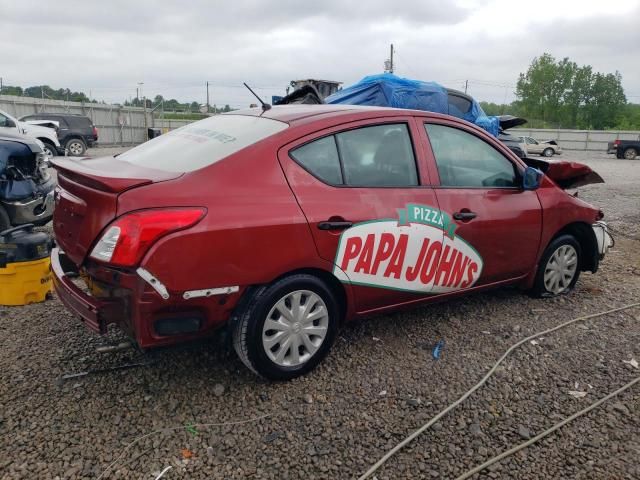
(296, 113)
(56, 114)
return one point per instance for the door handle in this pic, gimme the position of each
(343, 225)
(464, 216)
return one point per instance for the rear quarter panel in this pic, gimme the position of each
(254, 230)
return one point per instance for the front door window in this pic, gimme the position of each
(480, 189)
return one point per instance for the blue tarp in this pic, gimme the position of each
(388, 90)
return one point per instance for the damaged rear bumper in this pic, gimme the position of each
(139, 303)
(95, 313)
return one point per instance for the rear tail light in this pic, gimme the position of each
(129, 237)
(616, 142)
(95, 132)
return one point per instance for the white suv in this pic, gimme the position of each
(47, 136)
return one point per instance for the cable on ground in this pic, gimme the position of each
(552, 429)
(453, 405)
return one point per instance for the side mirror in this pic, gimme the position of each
(531, 178)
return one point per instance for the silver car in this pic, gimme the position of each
(547, 148)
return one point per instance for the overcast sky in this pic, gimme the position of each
(107, 47)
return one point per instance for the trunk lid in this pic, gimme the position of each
(86, 198)
(509, 121)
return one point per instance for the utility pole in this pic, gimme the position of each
(0, 85)
(207, 96)
(391, 60)
(146, 129)
(466, 84)
(144, 111)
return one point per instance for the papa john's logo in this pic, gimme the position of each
(419, 252)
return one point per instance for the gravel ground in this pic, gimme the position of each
(378, 385)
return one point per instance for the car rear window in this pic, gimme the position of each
(202, 143)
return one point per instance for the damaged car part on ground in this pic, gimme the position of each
(26, 187)
(283, 223)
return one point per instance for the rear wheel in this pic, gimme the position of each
(548, 152)
(285, 329)
(76, 147)
(559, 267)
(630, 153)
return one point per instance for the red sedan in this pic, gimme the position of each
(282, 224)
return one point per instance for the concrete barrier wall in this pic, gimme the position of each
(119, 125)
(578, 139)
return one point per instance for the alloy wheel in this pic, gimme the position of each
(295, 328)
(630, 153)
(561, 269)
(48, 151)
(75, 148)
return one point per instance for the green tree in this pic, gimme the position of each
(9, 90)
(563, 94)
(607, 99)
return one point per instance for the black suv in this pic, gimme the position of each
(75, 132)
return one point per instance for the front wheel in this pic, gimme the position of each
(49, 151)
(548, 152)
(559, 267)
(285, 329)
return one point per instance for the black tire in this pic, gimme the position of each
(630, 153)
(249, 319)
(5, 221)
(619, 155)
(50, 149)
(539, 288)
(76, 147)
(548, 152)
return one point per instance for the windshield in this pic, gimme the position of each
(202, 143)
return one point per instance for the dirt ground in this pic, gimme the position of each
(379, 384)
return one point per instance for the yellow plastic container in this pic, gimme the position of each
(22, 283)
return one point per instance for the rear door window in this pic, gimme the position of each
(202, 143)
(375, 156)
(62, 121)
(378, 156)
(464, 160)
(320, 158)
